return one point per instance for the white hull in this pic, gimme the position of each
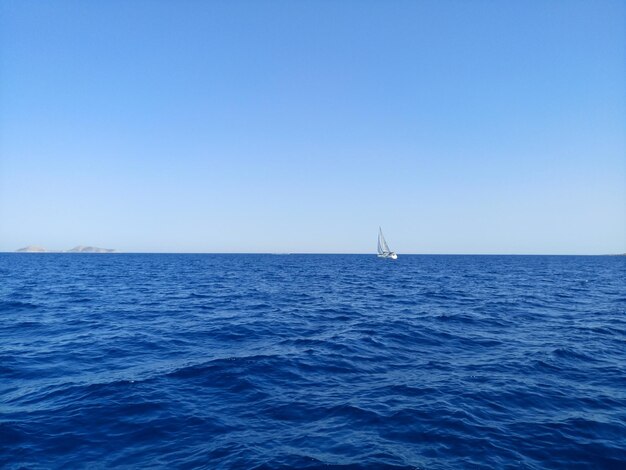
(389, 256)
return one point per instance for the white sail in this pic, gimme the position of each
(382, 243)
(383, 248)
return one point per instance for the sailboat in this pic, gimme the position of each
(383, 248)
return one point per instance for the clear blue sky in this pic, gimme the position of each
(301, 126)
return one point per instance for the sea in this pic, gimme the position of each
(223, 361)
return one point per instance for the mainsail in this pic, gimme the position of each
(383, 248)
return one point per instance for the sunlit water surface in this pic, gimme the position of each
(260, 361)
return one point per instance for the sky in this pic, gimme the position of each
(480, 127)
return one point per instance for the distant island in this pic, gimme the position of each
(32, 249)
(76, 249)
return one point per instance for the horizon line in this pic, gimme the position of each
(301, 253)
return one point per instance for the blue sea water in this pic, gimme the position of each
(307, 361)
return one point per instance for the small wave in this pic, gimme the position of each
(9, 305)
(27, 324)
(573, 355)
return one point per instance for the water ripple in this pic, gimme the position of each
(304, 361)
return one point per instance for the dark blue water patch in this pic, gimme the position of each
(16, 306)
(306, 361)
